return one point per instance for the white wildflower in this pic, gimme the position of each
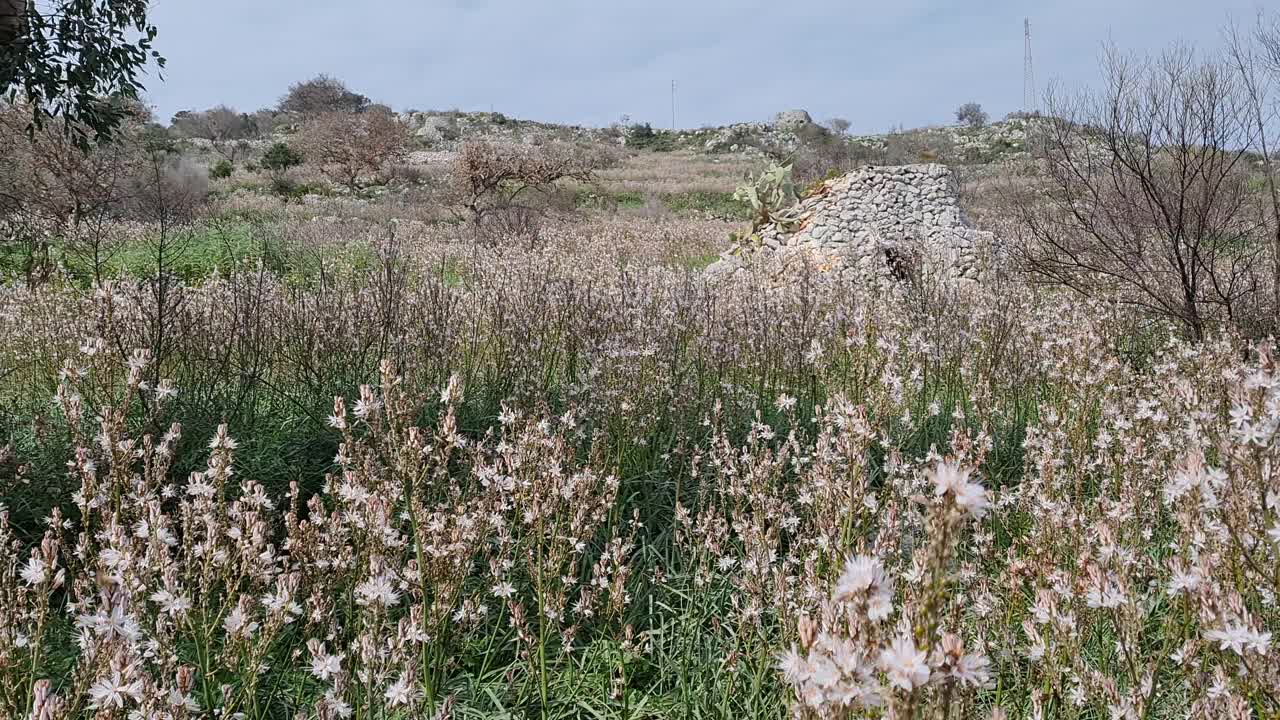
(378, 590)
(904, 665)
(1239, 639)
(111, 692)
(237, 624)
(35, 572)
(861, 573)
(324, 666)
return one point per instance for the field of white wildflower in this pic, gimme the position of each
(584, 481)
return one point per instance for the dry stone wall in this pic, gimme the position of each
(877, 226)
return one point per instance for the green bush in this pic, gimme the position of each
(293, 190)
(280, 157)
(642, 136)
(221, 170)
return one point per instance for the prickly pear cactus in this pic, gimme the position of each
(771, 196)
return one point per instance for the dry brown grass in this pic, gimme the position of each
(676, 172)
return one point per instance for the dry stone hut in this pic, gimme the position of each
(876, 226)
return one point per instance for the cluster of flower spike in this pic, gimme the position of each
(857, 657)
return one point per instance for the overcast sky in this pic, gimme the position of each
(588, 62)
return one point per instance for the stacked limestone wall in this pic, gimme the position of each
(878, 225)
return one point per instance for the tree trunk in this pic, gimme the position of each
(12, 13)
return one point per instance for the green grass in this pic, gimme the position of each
(702, 202)
(589, 199)
(454, 272)
(201, 251)
(698, 202)
(196, 254)
(696, 262)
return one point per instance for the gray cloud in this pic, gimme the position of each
(588, 62)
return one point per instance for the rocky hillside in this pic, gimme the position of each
(787, 131)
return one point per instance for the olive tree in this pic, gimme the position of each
(839, 125)
(79, 60)
(322, 94)
(971, 115)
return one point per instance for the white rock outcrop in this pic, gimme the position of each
(792, 120)
(876, 226)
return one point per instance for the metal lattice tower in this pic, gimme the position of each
(1030, 101)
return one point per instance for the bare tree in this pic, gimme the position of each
(1145, 197)
(223, 126)
(51, 189)
(348, 148)
(490, 181)
(168, 195)
(1256, 58)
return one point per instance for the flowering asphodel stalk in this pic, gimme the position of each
(873, 645)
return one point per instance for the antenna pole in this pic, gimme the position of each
(1030, 98)
(673, 106)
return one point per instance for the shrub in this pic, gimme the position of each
(292, 189)
(221, 170)
(642, 136)
(407, 173)
(285, 187)
(280, 157)
(819, 153)
(641, 132)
